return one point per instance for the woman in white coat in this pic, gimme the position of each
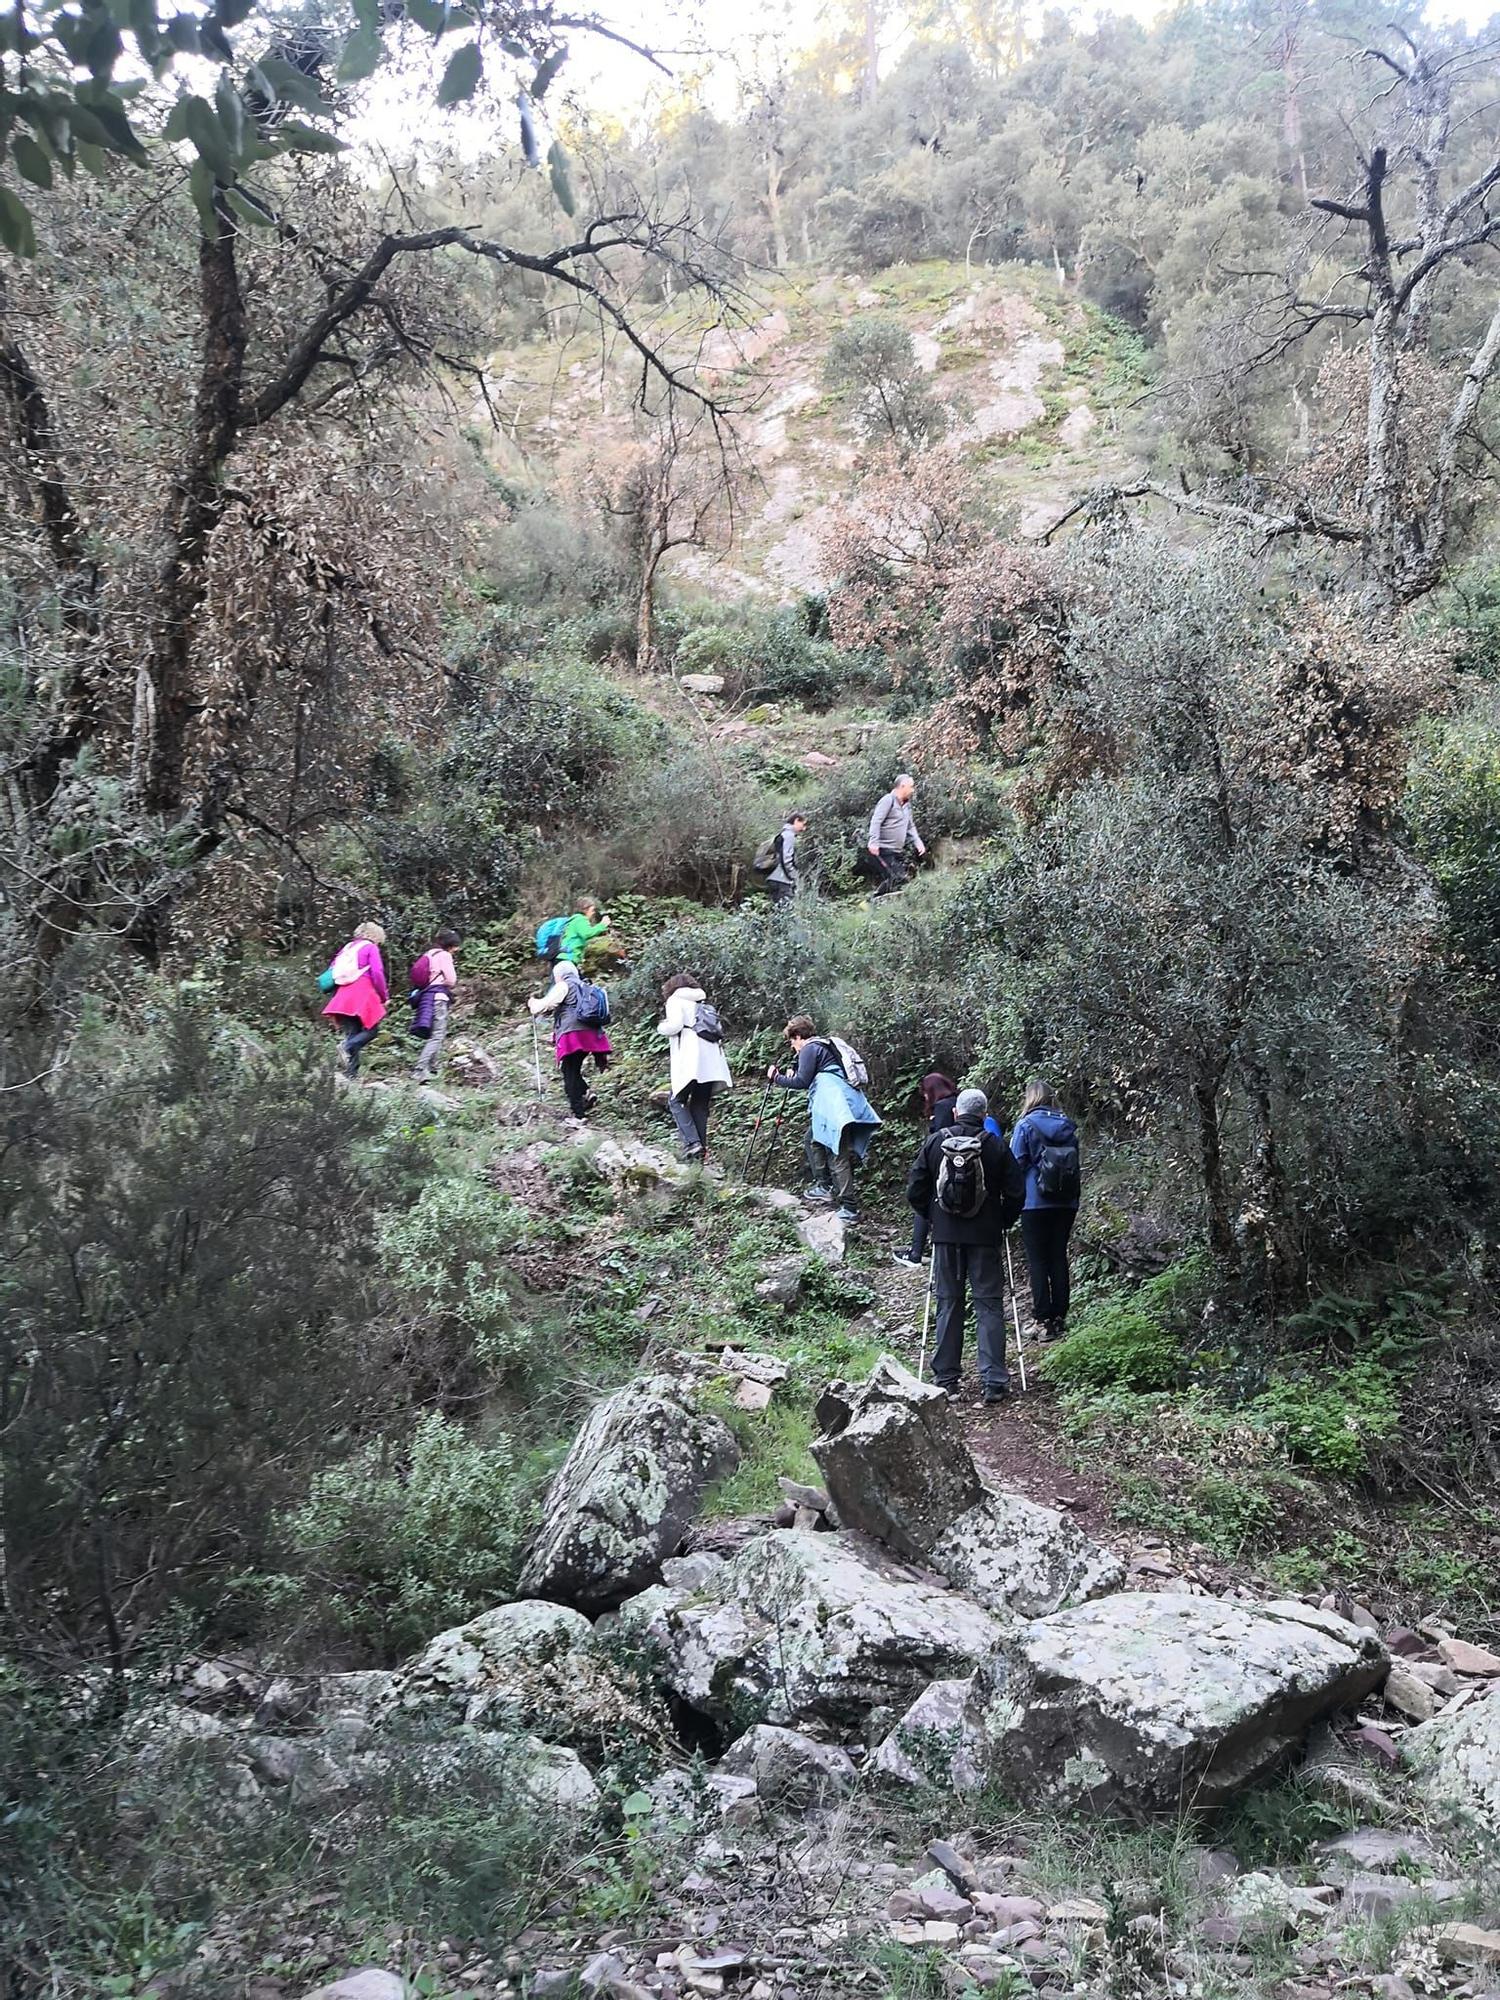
(699, 1071)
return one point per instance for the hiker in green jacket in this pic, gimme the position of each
(583, 929)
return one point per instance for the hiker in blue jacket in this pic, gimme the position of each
(1045, 1141)
(841, 1119)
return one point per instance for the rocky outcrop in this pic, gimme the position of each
(897, 1468)
(1456, 1761)
(625, 1494)
(801, 1625)
(1152, 1702)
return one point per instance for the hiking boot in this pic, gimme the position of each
(817, 1194)
(847, 1214)
(590, 1103)
(954, 1391)
(905, 1257)
(997, 1395)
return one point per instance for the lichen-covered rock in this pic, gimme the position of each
(935, 1743)
(530, 1666)
(789, 1768)
(1014, 1555)
(801, 1624)
(546, 1774)
(1456, 1761)
(894, 1460)
(1153, 1701)
(625, 1494)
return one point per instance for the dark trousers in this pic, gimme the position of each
(1045, 1233)
(835, 1170)
(358, 1038)
(690, 1109)
(892, 871)
(782, 892)
(978, 1270)
(574, 1088)
(919, 1231)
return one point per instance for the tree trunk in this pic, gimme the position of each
(645, 617)
(773, 208)
(194, 510)
(870, 84)
(1211, 1160)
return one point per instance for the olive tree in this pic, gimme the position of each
(1211, 927)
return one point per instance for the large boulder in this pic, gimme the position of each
(801, 1625)
(625, 1494)
(894, 1459)
(1014, 1555)
(897, 1468)
(1149, 1702)
(532, 1667)
(1456, 1761)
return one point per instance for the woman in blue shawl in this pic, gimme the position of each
(841, 1119)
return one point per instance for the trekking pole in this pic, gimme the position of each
(755, 1130)
(536, 1055)
(775, 1141)
(926, 1315)
(1015, 1311)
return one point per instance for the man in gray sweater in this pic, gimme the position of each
(891, 827)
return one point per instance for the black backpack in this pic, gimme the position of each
(1059, 1172)
(961, 1188)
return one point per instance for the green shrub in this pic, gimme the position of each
(1330, 1420)
(395, 1544)
(1452, 808)
(1132, 1339)
(187, 1289)
(758, 966)
(775, 657)
(445, 1253)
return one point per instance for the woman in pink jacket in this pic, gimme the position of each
(359, 994)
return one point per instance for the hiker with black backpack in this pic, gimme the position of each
(775, 860)
(841, 1121)
(1045, 1142)
(698, 1070)
(582, 1014)
(970, 1187)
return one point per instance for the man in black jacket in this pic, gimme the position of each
(970, 1187)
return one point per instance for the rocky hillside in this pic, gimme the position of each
(846, 1710)
(1039, 390)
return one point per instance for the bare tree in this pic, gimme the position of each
(675, 487)
(1409, 222)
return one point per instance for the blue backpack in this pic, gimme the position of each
(592, 1005)
(549, 937)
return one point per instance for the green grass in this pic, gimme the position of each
(772, 1442)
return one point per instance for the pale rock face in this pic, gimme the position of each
(788, 1767)
(1456, 1761)
(934, 1743)
(897, 1467)
(800, 1625)
(625, 1495)
(370, 1983)
(1149, 1701)
(1014, 1555)
(824, 1235)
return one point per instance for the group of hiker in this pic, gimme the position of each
(892, 833)
(968, 1186)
